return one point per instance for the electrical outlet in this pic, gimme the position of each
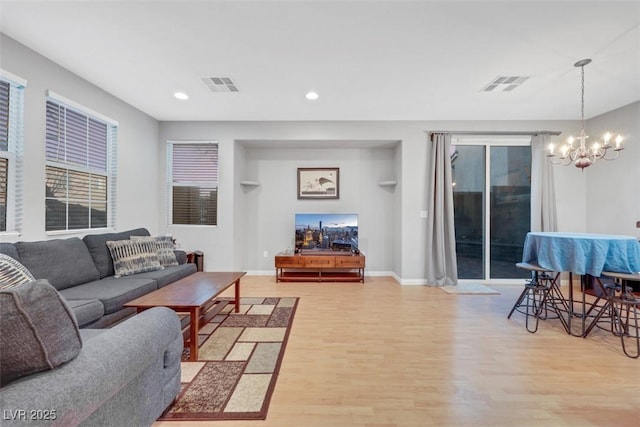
(265, 254)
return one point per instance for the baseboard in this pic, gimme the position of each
(380, 274)
(261, 273)
(410, 282)
(366, 273)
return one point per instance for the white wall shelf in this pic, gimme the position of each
(387, 183)
(250, 183)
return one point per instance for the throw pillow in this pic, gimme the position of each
(38, 330)
(133, 256)
(12, 273)
(165, 248)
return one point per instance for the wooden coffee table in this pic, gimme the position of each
(196, 295)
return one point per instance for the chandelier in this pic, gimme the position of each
(581, 155)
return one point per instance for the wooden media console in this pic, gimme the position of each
(320, 266)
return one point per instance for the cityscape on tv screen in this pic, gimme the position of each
(326, 231)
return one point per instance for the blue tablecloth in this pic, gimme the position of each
(582, 253)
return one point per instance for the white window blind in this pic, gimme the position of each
(192, 183)
(80, 170)
(11, 151)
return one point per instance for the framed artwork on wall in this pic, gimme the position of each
(318, 183)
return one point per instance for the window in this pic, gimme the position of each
(192, 182)
(11, 151)
(80, 167)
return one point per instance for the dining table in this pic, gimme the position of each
(585, 254)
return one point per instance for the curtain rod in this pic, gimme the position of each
(486, 133)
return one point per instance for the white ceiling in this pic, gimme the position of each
(382, 60)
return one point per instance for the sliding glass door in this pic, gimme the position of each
(492, 205)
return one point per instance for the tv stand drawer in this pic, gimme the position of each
(319, 261)
(289, 261)
(349, 262)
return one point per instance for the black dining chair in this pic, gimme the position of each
(603, 315)
(540, 294)
(625, 312)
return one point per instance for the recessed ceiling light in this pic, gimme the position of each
(312, 95)
(181, 96)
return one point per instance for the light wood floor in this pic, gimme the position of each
(380, 354)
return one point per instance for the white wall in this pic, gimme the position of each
(613, 188)
(138, 174)
(603, 198)
(262, 217)
(270, 227)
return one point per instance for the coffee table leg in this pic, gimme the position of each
(237, 296)
(193, 333)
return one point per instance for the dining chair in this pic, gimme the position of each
(603, 315)
(625, 310)
(538, 296)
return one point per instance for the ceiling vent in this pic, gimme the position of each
(220, 84)
(504, 83)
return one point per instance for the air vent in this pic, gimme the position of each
(220, 84)
(504, 83)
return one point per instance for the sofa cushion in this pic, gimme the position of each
(112, 292)
(63, 262)
(10, 249)
(133, 256)
(38, 331)
(97, 245)
(12, 272)
(169, 274)
(164, 247)
(89, 334)
(86, 310)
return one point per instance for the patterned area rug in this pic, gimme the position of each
(240, 356)
(469, 289)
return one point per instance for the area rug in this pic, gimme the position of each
(239, 360)
(469, 289)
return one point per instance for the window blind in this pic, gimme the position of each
(80, 171)
(11, 151)
(4, 115)
(193, 183)
(4, 146)
(4, 166)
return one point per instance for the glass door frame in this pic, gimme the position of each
(488, 141)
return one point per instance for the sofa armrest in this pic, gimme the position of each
(106, 365)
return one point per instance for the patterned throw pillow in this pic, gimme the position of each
(13, 273)
(133, 256)
(165, 247)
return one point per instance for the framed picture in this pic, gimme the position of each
(318, 183)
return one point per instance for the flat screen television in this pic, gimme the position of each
(326, 231)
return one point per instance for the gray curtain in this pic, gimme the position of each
(543, 194)
(441, 265)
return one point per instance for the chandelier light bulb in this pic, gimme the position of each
(618, 142)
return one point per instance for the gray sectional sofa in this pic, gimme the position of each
(125, 375)
(82, 271)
